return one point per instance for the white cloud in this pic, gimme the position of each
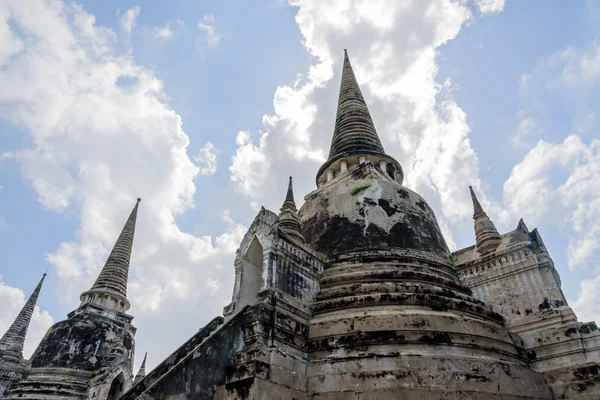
(96, 146)
(164, 33)
(586, 304)
(557, 178)
(578, 67)
(128, 19)
(13, 300)
(207, 159)
(393, 49)
(210, 37)
(527, 127)
(535, 188)
(490, 6)
(249, 165)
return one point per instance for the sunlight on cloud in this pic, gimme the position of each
(490, 6)
(128, 19)
(207, 159)
(586, 304)
(393, 50)
(533, 190)
(557, 178)
(97, 145)
(249, 165)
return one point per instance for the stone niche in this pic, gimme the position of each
(268, 260)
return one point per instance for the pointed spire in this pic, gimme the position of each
(521, 226)
(288, 216)
(143, 366)
(289, 202)
(11, 344)
(477, 209)
(110, 289)
(354, 134)
(354, 129)
(486, 235)
(142, 371)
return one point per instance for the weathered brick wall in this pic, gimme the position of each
(194, 370)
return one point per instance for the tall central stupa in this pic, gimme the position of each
(391, 318)
(356, 296)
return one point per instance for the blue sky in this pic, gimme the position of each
(204, 108)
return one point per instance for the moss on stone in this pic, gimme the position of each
(359, 189)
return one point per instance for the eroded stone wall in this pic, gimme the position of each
(9, 375)
(520, 281)
(195, 371)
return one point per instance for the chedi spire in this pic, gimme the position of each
(355, 139)
(11, 344)
(142, 371)
(354, 129)
(486, 234)
(110, 289)
(288, 216)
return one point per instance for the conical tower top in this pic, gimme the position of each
(354, 129)
(110, 288)
(354, 137)
(486, 235)
(143, 366)
(11, 344)
(477, 209)
(289, 202)
(142, 371)
(288, 216)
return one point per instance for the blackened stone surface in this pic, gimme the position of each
(366, 213)
(183, 351)
(198, 374)
(82, 342)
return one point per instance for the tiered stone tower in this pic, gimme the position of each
(392, 319)
(515, 275)
(12, 365)
(487, 237)
(90, 354)
(357, 296)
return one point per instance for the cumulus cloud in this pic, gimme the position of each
(209, 36)
(490, 6)
(207, 159)
(98, 144)
(586, 304)
(13, 300)
(127, 20)
(164, 33)
(557, 176)
(534, 189)
(578, 67)
(393, 49)
(249, 165)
